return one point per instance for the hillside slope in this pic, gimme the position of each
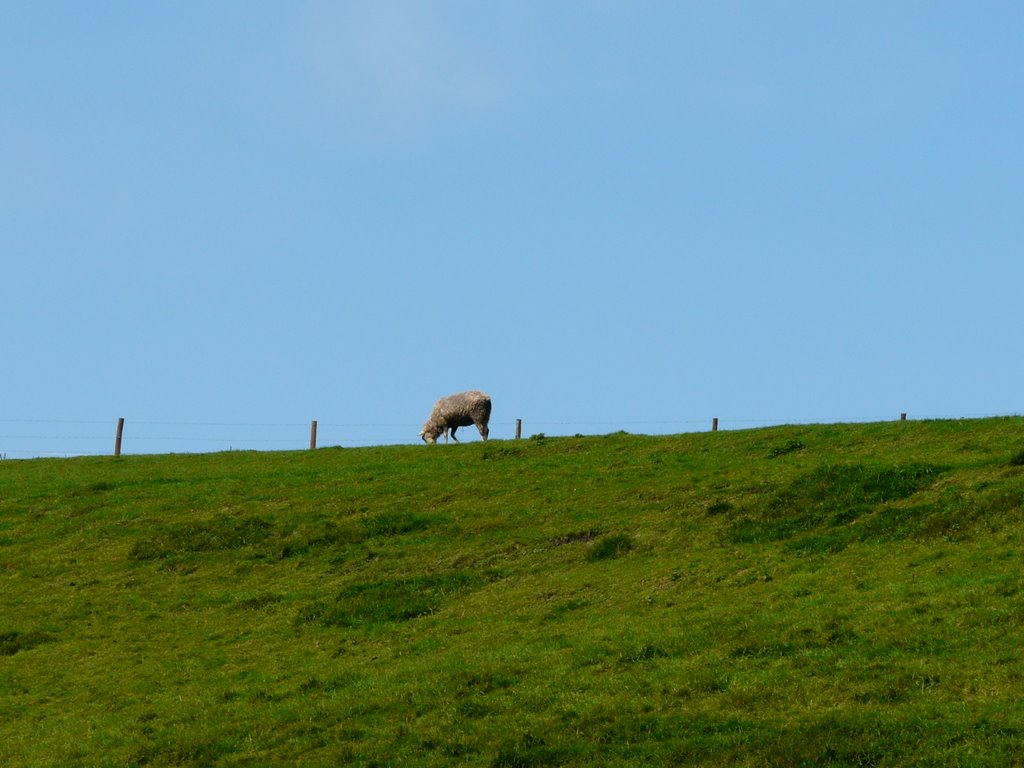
(814, 595)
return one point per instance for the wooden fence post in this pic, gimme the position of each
(903, 417)
(714, 424)
(312, 436)
(117, 440)
(519, 428)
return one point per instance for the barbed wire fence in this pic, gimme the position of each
(42, 438)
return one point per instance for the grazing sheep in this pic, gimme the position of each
(454, 411)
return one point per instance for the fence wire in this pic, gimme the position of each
(26, 438)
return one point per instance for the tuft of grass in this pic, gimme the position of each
(720, 508)
(16, 642)
(820, 505)
(610, 547)
(390, 600)
(528, 751)
(791, 446)
(395, 523)
(222, 532)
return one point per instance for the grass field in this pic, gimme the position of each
(831, 595)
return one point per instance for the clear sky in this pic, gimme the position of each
(222, 220)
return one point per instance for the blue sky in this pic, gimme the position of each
(223, 220)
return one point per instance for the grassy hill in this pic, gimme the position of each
(793, 596)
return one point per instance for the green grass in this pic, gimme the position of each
(833, 595)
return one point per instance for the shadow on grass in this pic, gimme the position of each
(826, 509)
(392, 600)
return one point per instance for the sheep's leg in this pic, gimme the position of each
(483, 430)
(453, 434)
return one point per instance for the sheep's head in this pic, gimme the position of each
(430, 433)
